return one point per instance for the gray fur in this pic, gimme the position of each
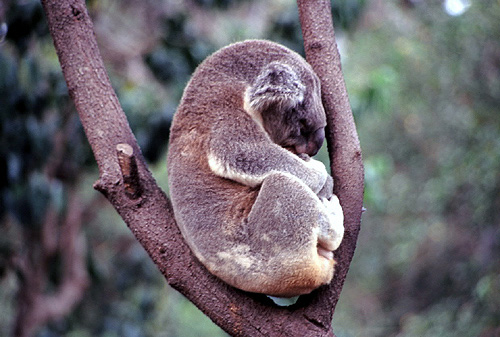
(277, 84)
(249, 201)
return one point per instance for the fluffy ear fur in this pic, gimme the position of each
(277, 84)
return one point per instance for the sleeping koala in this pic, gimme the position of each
(251, 203)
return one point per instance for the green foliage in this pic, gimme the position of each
(428, 120)
(29, 87)
(346, 13)
(222, 4)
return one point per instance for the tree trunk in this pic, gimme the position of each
(127, 183)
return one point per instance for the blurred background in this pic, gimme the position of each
(423, 78)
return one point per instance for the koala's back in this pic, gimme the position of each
(216, 90)
(213, 99)
(242, 61)
(213, 212)
(230, 70)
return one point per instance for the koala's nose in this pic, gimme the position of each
(315, 142)
(312, 149)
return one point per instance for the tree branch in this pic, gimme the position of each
(342, 139)
(149, 213)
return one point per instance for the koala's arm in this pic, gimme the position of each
(249, 158)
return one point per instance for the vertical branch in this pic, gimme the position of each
(342, 139)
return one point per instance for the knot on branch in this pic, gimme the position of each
(77, 13)
(315, 46)
(130, 173)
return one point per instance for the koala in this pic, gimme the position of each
(253, 206)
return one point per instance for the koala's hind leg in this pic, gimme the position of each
(290, 228)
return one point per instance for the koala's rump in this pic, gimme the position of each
(213, 214)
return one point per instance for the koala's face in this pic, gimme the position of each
(289, 103)
(299, 128)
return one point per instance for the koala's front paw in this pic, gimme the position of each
(327, 191)
(331, 234)
(319, 175)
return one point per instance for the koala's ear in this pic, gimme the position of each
(277, 84)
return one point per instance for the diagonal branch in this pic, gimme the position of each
(149, 214)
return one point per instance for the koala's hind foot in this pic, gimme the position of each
(332, 230)
(295, 234)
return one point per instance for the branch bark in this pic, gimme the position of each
(342, 139)
(149, 213)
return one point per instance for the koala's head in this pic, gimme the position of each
(290, 108)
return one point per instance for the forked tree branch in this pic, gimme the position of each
(148, 213)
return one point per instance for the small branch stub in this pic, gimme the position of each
(130, 173)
